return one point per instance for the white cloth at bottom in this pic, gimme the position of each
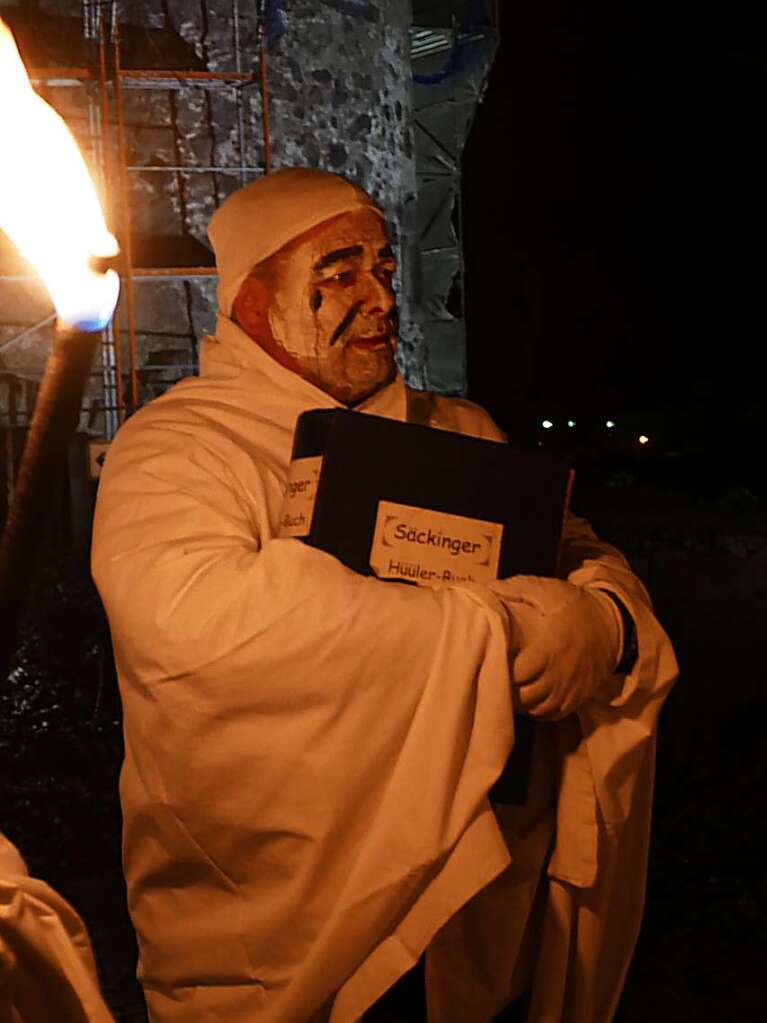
(47, 971)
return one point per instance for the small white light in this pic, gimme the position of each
(547, 424)
(643, 440)
(609, 424)
(571, 423)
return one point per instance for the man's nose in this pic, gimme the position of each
(379, 296)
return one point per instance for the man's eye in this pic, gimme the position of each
(342, 277)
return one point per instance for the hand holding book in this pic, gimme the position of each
(566, 641)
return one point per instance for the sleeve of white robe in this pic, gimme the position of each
(311, 733)
(638, 696)
(618, 732)
(47, 970)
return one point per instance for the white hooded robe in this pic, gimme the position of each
(309, 751)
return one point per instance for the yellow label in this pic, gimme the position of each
(298, 506)
(432, 547)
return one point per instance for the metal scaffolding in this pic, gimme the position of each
(104, 83)
(451, 60)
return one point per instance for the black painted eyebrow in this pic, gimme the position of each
(337, 256)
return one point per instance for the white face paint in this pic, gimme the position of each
(325, 307)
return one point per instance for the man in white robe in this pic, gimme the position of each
(308, 751)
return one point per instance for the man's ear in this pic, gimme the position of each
(250, 309)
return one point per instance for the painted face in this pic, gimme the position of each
(324, 306)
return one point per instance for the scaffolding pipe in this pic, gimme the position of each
(106, 154)
(111, 381)
(58, 75)
(236, 27)
(110, 344)
(27, 330)
(264, 78)
(186, 76)
(192, 169)
(127, 240)
(173, 273)
(238, 98)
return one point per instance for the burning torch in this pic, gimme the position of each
(50, 210)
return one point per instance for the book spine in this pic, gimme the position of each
(309, 444)
(312, 431)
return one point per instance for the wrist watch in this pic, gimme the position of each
(630, 651)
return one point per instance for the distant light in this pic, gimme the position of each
(571, 423)
(609, 424)
(643, 440)
(547, 424)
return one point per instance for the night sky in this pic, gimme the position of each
(614, 218)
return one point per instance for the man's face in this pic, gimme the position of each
(325, 307)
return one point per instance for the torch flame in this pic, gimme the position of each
(48, 203)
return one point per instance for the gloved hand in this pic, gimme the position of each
(565, 644)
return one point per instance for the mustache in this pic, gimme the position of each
(345, 323)
(392, 319)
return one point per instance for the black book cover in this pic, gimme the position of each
(359, 481)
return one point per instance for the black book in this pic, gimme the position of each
(427, 506)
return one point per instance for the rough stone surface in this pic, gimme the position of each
(340, 98)
(345, 104)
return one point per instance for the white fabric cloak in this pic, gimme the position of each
(308, 751)
(47, 971)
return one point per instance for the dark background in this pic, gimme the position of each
(614, 215)
(614, 222)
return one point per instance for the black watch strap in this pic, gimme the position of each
(630, 651)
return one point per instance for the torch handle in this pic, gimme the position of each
(54, 421)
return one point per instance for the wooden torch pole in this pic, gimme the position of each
(54, 421)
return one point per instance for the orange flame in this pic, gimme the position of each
(48, 203)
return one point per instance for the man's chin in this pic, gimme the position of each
(364, 374)
(368, 363)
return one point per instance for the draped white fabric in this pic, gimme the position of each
(308, 751)
(47, 970)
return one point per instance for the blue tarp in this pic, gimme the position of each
(476, 18)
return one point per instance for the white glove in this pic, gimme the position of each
(565, 644)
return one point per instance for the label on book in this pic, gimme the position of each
(298, 506)
(432, 547)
